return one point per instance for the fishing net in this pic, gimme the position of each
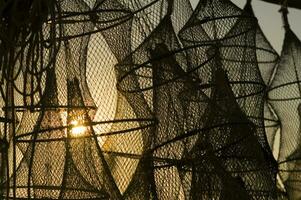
(160, 71)
(135, 99)
(284, 96)
(63, 126)
(267, 59)
(146, 74)
(232, 33)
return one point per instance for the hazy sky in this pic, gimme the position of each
(270, 20)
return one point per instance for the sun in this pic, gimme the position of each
(77, 129)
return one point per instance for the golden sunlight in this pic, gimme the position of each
(77, 129)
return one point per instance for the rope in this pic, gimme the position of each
(284, 12)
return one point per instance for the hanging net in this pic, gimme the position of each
(65, 124)
(233, 33)
(284, 96)
(267, 59)
(140, 99)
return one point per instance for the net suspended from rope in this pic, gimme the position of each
(159, 83)
(166, 51)
(59, 155)
(143, 23)
(233, 32)
(189, 107)
(284, 96)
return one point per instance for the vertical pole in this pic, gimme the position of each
(10, 116)
(3, 165)
(284, 12)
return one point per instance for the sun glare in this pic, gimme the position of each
(77, 128)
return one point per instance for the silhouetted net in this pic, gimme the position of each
(135, 99)
(232, 34)
(65, 123)
(284, 96)
(267, 59)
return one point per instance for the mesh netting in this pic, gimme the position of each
(284, 96)
(65, 124)
(233, 32)
(267, 59)
(164, 73)
(137, 99)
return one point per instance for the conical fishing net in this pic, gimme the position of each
(233, 32)
(136, 99)
(267, 59)
(57, 152)
(284, 96)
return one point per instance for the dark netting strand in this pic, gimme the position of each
(272, 126)
(284, 96)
